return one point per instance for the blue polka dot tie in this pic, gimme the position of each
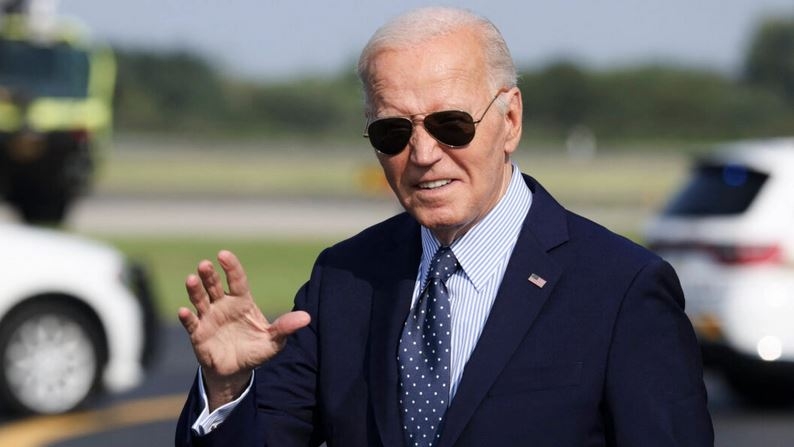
(424, 356)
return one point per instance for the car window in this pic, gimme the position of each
(717, 189)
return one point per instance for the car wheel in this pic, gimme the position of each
(42, 209)
(761, 387)
(49, 358)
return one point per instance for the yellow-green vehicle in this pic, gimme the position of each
(56, 90)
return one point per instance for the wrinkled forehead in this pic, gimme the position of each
(442, 67)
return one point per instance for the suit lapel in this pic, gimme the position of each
(517, 304)
(390, 303)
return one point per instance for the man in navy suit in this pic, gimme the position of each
(559, 332)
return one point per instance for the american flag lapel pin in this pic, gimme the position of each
(537, 280)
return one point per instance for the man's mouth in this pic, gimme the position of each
(434, 184)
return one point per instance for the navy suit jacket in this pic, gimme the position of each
(601, 355)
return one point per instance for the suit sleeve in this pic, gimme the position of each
(279, 410)
(655, 392)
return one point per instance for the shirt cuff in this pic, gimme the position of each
(206, 421)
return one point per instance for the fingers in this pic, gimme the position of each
(289, 323)
(207, 286)
(188, 319)
(235, 275)
(211, 280)
(197, 294)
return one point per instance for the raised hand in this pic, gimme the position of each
(229, 334)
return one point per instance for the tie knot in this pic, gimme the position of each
(444, 264)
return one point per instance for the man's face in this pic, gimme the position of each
(446, 189)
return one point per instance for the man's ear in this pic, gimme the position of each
(513, 119)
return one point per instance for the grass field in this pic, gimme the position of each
(635, 180)
(630, 177)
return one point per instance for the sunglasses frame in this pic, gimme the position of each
(409, 119)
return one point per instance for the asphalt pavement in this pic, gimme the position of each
(246, 216)
(736, 425)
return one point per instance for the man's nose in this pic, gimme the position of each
(424, 149)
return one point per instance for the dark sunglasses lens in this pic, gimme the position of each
(451, 127)
(390, 135)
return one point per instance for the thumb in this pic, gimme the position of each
(289, 323)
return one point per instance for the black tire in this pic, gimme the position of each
(42, 192)
(761, 385)
(41, 209)
(50, 358)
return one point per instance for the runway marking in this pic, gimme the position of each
(41, 430)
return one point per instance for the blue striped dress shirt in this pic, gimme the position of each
(483, 253)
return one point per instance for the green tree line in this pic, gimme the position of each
(182, 92)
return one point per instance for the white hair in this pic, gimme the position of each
(420, 25)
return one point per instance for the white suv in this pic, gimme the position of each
(75, 317)
(729, 233)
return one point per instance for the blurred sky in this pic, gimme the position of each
(282, 38)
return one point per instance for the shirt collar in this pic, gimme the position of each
(480, 249)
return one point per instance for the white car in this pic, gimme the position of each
(729, 233)
(75, 317)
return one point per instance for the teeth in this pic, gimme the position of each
(434, 184)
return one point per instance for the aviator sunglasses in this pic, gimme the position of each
(452, 128)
